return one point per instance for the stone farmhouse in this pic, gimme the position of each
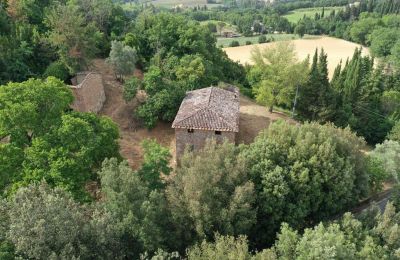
(206, 113)
(88, 90)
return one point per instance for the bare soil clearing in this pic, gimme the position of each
(131, 133)
(337, 50)
(253, 119)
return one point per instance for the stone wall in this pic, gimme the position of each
(89, 92)
(197, 139)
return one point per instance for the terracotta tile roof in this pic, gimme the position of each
(209, 108)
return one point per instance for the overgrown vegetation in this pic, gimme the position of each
(66, 192)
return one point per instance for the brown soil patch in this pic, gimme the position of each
(336, 49)
(253, 119)
(131, 132)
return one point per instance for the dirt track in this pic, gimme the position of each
(337, 50)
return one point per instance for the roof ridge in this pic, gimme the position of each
(197, 111)
(209, 96)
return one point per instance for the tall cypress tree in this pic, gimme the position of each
(317, 99)
(308, 96)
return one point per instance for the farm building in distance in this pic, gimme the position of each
(88, 90)
(206, 113)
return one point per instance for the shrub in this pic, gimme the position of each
(234, 44)
(249, 43)
(394, 135)
(131, 87)
(262, 39)
(57, 69)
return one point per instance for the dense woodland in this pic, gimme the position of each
(283, 196)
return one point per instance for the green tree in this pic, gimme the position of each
(75, 40)
(57, 69)
(211, 193)
(316, 97)
(69, 155)
(382, 41)
(11, 159)
(303, 174)
(362, 102)
(141, 215)
(389, 154)
(300, 29)
(227, 247)
(395, 54)
(29, 109)
(98, 12)
(361, 29)
(179, 56)
(122, 59)
(377, 174)
(394, 135)
(155, 164)
(131, 88)
(280, 73)
(52, 225)
(220, 26)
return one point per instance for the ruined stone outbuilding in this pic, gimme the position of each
(206, 113)
(88, 90)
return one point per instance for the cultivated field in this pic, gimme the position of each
(295, 15)
(337, 50)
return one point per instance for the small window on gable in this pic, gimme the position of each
(190, 130)
(218, 132)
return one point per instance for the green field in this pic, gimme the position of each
(172, 3)
(254, 39)
(295, 15)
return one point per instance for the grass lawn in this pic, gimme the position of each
(254, 39)
(295, 15)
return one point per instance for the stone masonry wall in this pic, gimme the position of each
(89, 93)
(197, 139)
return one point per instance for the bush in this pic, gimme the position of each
(234, 44)
(212, 27)
(57, 69)
(395, 196)
(394, 135)
(131, 87)
(249, 43)
(262, 39)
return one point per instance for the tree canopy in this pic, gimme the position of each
(276, 74)
(304, 173)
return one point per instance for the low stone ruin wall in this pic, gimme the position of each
(88, 90)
